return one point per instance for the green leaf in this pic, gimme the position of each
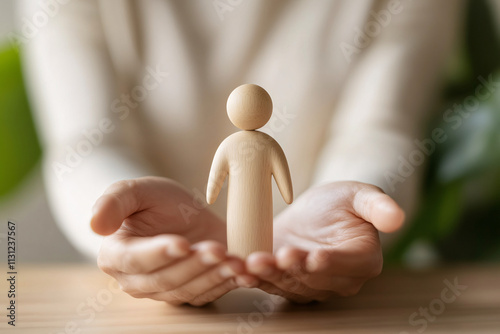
(19, 146)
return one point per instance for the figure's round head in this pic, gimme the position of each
(249, 107)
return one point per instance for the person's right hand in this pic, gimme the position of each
(154, 251)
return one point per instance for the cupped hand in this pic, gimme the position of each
(161, 244)
(326, 243)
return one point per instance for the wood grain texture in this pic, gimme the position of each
(50, 297)
(249, 159)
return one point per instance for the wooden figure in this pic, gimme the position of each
(249, 159)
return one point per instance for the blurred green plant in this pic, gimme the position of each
(19, 146)
(460, 209)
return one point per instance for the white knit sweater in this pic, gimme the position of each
(123, 89)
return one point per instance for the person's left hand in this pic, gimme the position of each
(326, 243)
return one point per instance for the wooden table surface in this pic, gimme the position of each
(80, 299)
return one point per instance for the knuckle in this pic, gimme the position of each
(367, 188)
(209, 245)
(130, 264)
(214, 278)
(133, 287)
(117, 191)
(103, 264)
(373, 187)
(130, 184)
(229, 285)
(127, 287)
(173, 240)
(158, 283)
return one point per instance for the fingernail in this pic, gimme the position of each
(176, 251)
(227, 271)
(209, 258)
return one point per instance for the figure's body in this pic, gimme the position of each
(249, 159)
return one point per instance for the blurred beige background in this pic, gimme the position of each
(28, 206)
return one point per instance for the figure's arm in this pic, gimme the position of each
(281, 174)
(218, 173)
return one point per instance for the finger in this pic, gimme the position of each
(205, 255)
(247, 281)
(206, 287)
(263, 265)
(294, 260)
(274, 290)
(312, 286)
(118, 202)
(126, 197)
(214, 293)
(353, 262)
(288, 257)
(374, 206)
(342, 286)
(136, 255)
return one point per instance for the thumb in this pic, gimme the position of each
(118, 202)
(378, 208)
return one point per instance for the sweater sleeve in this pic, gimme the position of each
(382, 108)
(73, 89)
